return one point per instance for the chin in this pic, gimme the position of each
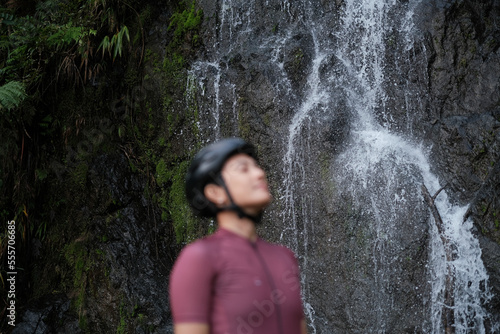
(265, 202)
(257, 203)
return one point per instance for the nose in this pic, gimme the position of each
(259, 172)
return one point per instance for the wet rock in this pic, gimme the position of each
(453, 62)
(51, 314)
(133, 290)
(297, 60)
(358, 277)
(463, 80)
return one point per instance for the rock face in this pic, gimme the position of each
(302, 81)
(352, 107)
(120, 261)
(133, 255)
(464, 118)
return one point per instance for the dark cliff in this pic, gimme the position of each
(279, 74)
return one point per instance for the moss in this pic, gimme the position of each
(329, 184)
(78, 258)
(173, 123)
(76, 255)
(161, 142)
(130, 317)
(243, 124)
(81, 271)
(132, 166)
(68, 262)
(187, 21)
(162, 173)
(267, 120)
(79, 174)
(192, 105)
(173, 64)
(185, 25)
(122, 326)
(179, 210)
(298, 58)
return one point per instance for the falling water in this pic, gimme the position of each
(235, 25)
(381, 165)
(376, 158)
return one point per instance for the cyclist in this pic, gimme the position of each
(233, 282)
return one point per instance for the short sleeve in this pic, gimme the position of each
(190, 285)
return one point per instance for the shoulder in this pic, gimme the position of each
(201, 249)
(195, 260)
(276, 247)
(280, 249)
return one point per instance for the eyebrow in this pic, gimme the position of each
(242, 161)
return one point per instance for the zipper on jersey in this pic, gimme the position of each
(272, 283)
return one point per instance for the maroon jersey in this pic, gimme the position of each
(237, 286)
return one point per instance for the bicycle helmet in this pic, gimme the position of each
(206, 168)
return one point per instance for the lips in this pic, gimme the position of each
(263, 186)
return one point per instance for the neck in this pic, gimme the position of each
(244, 227)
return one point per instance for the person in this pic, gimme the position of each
(233, 282)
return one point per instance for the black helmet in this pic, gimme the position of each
(206, 167)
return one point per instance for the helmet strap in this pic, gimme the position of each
(233, 207)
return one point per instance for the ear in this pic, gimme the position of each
(215, 194)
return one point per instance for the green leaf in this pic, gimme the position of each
(65, 36)
(105, 45)
(11, 95)
(8, 19)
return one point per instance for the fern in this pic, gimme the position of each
(11, 95)
(7, 19)
(65, 36)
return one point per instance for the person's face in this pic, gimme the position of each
(247, 183)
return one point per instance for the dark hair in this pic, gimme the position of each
(206, 167)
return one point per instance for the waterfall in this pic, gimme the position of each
(378, 156)
(379, 166)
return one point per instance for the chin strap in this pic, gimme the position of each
(233, 207)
